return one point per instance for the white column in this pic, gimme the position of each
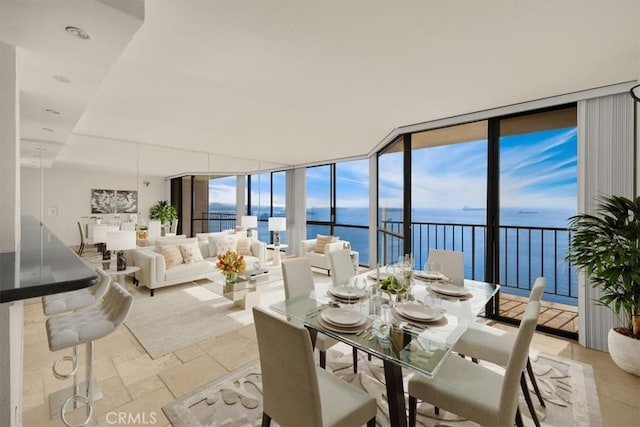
(605, 167)
(296, 200)
(11, 314)
(373, 210)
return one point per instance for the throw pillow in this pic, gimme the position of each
(172, 255)
(322, 242)
(221, 246)
(191, 253)
(244, 246)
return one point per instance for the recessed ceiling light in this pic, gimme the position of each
(61, 79)
(49, 110)
(78, 33)
(47, 129)
(41, 149)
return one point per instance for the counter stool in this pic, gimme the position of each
(68, 301)
(86, 325)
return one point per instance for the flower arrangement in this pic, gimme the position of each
(231, 262)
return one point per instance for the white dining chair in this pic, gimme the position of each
(494, 345)
(295, 392)
(127, 226)
(476, 392)
(298, 280)
(154, 229)
(451, 264)
(341, 266)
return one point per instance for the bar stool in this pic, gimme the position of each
(68, 301)
(84, 326)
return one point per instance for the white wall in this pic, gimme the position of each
(69, 191)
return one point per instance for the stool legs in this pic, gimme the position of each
(86, 397)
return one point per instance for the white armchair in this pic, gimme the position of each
(317, 259)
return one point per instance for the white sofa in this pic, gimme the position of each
(319, 260)
(154, 274)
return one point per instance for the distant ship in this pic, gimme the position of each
(467, 208)
(527, 212)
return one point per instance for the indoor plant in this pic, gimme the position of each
(607, 247)
(164, 212)
(231, 263)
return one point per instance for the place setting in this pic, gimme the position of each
(418, 315)
(344, 321)
(450, 290)
(350, 293)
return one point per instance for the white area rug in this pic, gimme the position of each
(183, 315)
(236, 399)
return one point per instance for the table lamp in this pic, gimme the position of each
(120, 241)
(277, 224)
(100, 238)
(249, 222)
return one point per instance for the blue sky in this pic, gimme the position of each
(537, 170)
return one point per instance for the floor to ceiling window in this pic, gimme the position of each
(538, 192)
(338, 203)
(266, 198)
(222, 203)
(500, 190)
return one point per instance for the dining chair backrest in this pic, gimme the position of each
(290, 391)
(297, 277)
(174, 226)
(127, 226)
(341, 266)
(510, 387)
(538, 289)
(451, 264)
(154, 229)
(82, 233)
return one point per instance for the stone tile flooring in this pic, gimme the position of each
(137, 386)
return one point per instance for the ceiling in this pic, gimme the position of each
(238, 86)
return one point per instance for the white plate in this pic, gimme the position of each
(347, 293)
(383, 276)
(342, 317)
(345, 329)
(430, 275)
(418, 312)
(420, 323)
(448, 289)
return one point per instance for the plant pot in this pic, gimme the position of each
(231, 277)
(625, 352)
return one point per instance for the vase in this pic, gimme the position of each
(231, 277)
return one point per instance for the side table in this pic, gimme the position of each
(276, 254)
(129, 270)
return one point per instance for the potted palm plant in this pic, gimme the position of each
(164, 212)
(606, 246)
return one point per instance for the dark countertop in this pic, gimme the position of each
(47, 266)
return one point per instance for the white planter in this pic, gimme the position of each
(625, 352)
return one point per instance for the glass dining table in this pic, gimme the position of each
(394, 331)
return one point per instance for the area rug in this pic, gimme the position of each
(179, 316)
(235, 400)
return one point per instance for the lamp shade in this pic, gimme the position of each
(100, 233)
(277, 224)
(121, 240)
(249, 221)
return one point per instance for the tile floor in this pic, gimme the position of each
(134, 385)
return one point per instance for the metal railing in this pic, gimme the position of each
(526, 252)
(210, 222)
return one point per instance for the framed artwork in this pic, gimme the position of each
(103, 201)
(114, 201)
(126, 201)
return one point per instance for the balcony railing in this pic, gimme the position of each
(210, 222)
(526, 252)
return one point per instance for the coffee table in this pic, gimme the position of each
(245, 293)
